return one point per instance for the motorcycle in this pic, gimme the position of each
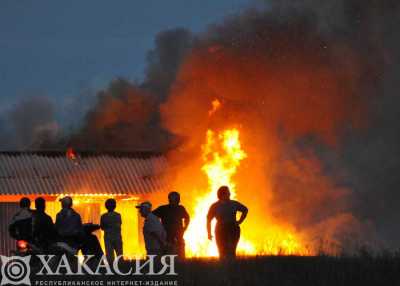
(87, 244)
(24, 248)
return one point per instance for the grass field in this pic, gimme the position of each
(293, 270)
(362, 269)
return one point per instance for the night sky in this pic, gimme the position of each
(58, 48)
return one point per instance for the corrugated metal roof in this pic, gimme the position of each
(52, 173)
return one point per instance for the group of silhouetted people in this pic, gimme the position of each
(33, 225)
(163, 228)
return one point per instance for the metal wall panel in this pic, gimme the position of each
(7, 211)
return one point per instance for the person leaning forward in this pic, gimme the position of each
(153, 231)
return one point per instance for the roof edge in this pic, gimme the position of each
(86, 153)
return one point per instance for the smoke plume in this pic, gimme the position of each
(369, 157)
(300, 86)
(126, 115)
(30, 124)
(171, 46)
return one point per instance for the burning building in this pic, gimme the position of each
(89, 178)
(266, 102)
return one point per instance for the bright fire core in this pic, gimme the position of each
(222, 155)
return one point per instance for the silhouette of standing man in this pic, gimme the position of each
(110, 223)
(44, 232)
(69, 223)
(175, 220)
(227, 230)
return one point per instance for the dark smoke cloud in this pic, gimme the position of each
(171, 46)
(125, 118)
(31, 124)
(369, 157)
(373, 158)
(126, 114)
(5, 136)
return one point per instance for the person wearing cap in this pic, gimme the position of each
(69, 223)
(227, 230)
(153, 231)
(175, 220)
(110, 223)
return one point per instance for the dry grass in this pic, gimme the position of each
(293, 270)
(361, 269)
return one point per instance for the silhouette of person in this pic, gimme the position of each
(69, 223)
(20, 227)
(227, 230)
(110, 223)
(44, 232)
(153, 231)
(175, 220)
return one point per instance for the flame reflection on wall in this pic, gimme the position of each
(90, 207)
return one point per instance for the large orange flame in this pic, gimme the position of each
(222, 154)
